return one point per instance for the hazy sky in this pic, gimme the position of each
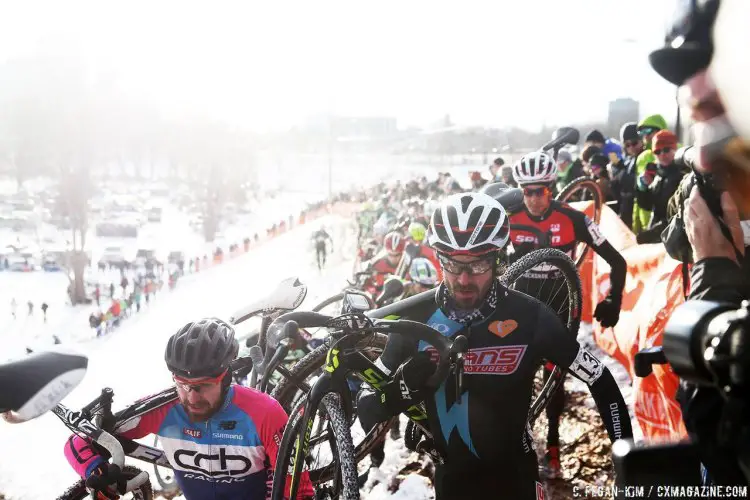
(268, 63)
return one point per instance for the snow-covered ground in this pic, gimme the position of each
(130, 360)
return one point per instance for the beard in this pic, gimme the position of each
(465, 302)
(200, 412)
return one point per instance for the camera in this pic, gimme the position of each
(707, 345)
(710, 188)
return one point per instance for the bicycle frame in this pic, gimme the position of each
(102, 435)
(342, 360)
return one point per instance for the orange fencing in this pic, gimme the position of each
(653, 289)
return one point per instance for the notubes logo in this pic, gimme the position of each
(217, 464)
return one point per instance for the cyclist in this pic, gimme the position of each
(393, 244)
(423, 276)
(484, 437)
(220, 438)
(564, 227)
(417, 248)
(320, 237)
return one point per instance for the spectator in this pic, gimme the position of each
(647, 128)
(594, 138)
(44, 310)
(598, 165)
(476, 180)
(112, 290)
(611, 149)
(586, 155)
(31, 307)
(495, 168)
(567, 169)
(97, 294)
(657, 185)
(13, 306)
(506, 176)
(622, 173)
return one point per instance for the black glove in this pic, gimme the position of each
(107, 480)
(607, 312)
(408, 385)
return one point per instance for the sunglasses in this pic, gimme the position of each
(646, 131)
(198, 385)
(662, 151)
(473, 268)
(538, 191)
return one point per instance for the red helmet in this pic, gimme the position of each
(394, 242)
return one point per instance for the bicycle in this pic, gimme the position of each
(96, 421)
(578, 190)
(293, 388)
(332, 392)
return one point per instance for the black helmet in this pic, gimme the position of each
(201, 349)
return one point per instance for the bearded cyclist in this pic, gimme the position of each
(220, 438)
(483, 437)
(565, 227)
(384, 266)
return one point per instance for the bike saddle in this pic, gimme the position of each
(36, 384)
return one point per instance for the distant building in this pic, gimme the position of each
(621, 111)
(363, 128)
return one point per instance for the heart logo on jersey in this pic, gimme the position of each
(503, 328)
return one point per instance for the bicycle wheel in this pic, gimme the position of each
(561, 291)
(79, 492)
(288, 394)
(164, 475)
(583, 189)
(340, 449)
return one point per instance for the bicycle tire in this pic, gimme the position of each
(328, 301)
(567, 192)
(343, 448)
(78, 490)
(164, 484)
(575, 300)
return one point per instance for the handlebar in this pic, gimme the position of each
(445, 347)
(76, 422)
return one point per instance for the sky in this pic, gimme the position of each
(270, 64)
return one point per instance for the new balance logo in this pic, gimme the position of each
(227, 425)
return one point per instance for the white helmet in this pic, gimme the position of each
(469, 224)
(535, 168)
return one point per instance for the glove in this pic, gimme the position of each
(107, 481)
(607, 312)
(408, 385)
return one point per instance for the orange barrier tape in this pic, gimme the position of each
(653, 289)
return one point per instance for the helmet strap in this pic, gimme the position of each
(226, 382)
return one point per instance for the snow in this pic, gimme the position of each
(130, 359)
